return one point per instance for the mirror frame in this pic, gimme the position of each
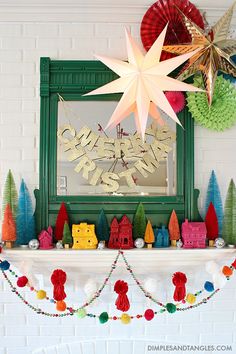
(71, 79)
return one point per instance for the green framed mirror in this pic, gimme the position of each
(89, 168)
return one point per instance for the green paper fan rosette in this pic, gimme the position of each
(222, 112)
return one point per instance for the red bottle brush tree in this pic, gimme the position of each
(211, 222)
(174, 230)
(62, 217)
(8, 227)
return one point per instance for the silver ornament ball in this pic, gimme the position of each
(59, 245)
(34, 244)
(101, 245)
(179, 244)
(139, 242)
(219, 242)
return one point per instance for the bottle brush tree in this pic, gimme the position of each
(67, 239)
(8, 227)
(62, 217)
(229, 221)
(10, 195)
(25, 222)
(139, 222)
(211, 222)
(173, 227)
(102, 230)
(149, 236)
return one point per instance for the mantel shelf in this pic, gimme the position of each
(142, 260)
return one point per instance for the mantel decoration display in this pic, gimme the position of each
(183, 300)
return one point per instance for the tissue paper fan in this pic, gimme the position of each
(163, 12)
(221, 114)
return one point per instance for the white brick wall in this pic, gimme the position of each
(76, 31)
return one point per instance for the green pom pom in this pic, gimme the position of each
(171, 308)
(103, 318)
(221, 114)
(81, 313)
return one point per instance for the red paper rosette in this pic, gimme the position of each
(163, 12)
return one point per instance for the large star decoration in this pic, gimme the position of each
(142, 81)
(214, 54)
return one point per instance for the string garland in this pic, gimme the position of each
(125, 318)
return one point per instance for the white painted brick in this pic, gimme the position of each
(30, 105)
(23, 350)
(10, 130)
(23, 118)
(110, 29)
(58, 330)
(224, 338)
(20, 92)
(31, 81)
(10, 106)
(54, 43)
(10, 155)
(10, 55)
(18, 68)
(8, 319)
(2, 351)
(40, 30)
(217, 316)
(22, 330)
(13, 341)
(18, 43)
(35, 55)
(10, 81)
(76, 30)
(42, 341)
(29, 154)
(88, 44)
(10, 30)
(27, 142)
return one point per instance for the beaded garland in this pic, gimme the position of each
(124, 318)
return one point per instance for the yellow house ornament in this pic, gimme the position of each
(84, 236)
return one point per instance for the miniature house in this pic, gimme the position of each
(84, 236)
(45, 239)
(121, 234)
(162, 238)
(194, 234)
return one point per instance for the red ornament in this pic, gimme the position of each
(122, 302)
(62, 217)
(179, 280)
(58, 280)
(163, 12)
(22, 281)
(176, 100)
(149, 314)
(211, 222)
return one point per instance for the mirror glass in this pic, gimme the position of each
(94, 161)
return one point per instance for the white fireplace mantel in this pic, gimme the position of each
(98, 261)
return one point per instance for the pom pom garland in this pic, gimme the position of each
(4, 265)
(122, 302)
(61, 306)
(179, 280)
(41, 294)
(171, 308)
(176, 100)
(150, 285)
(125, 318)
(227, 271)
(81, 313)
(190, 298)
(149, 314)
(219, 280)
(103, 318)
(208, 286)
(22, 281)
(212, 267)
(90, 287)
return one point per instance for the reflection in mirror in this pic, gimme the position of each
(94, 161)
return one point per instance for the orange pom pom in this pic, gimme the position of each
(61, 306)
(227, 271)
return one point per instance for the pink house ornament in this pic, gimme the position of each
(45, 239)
(194, 234)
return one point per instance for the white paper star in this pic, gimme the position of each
(142, 81)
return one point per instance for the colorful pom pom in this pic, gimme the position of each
(149, 314)
(5, 265)
(41, 294)
(190, 298)
(212, 267)
(171, 308)
(208, 286)
(81, 313)
(125, 318)
(227, 271)
(22, 281)
(61, 305)
(103, 318)
(176, 100)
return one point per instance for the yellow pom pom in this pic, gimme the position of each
(125, 318)
(190, 298)
(41, 294)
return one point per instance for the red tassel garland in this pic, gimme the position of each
(179, 280)
(58, 280)
(122, 302)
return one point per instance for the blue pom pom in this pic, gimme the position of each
(5, 265)
(208, 286)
